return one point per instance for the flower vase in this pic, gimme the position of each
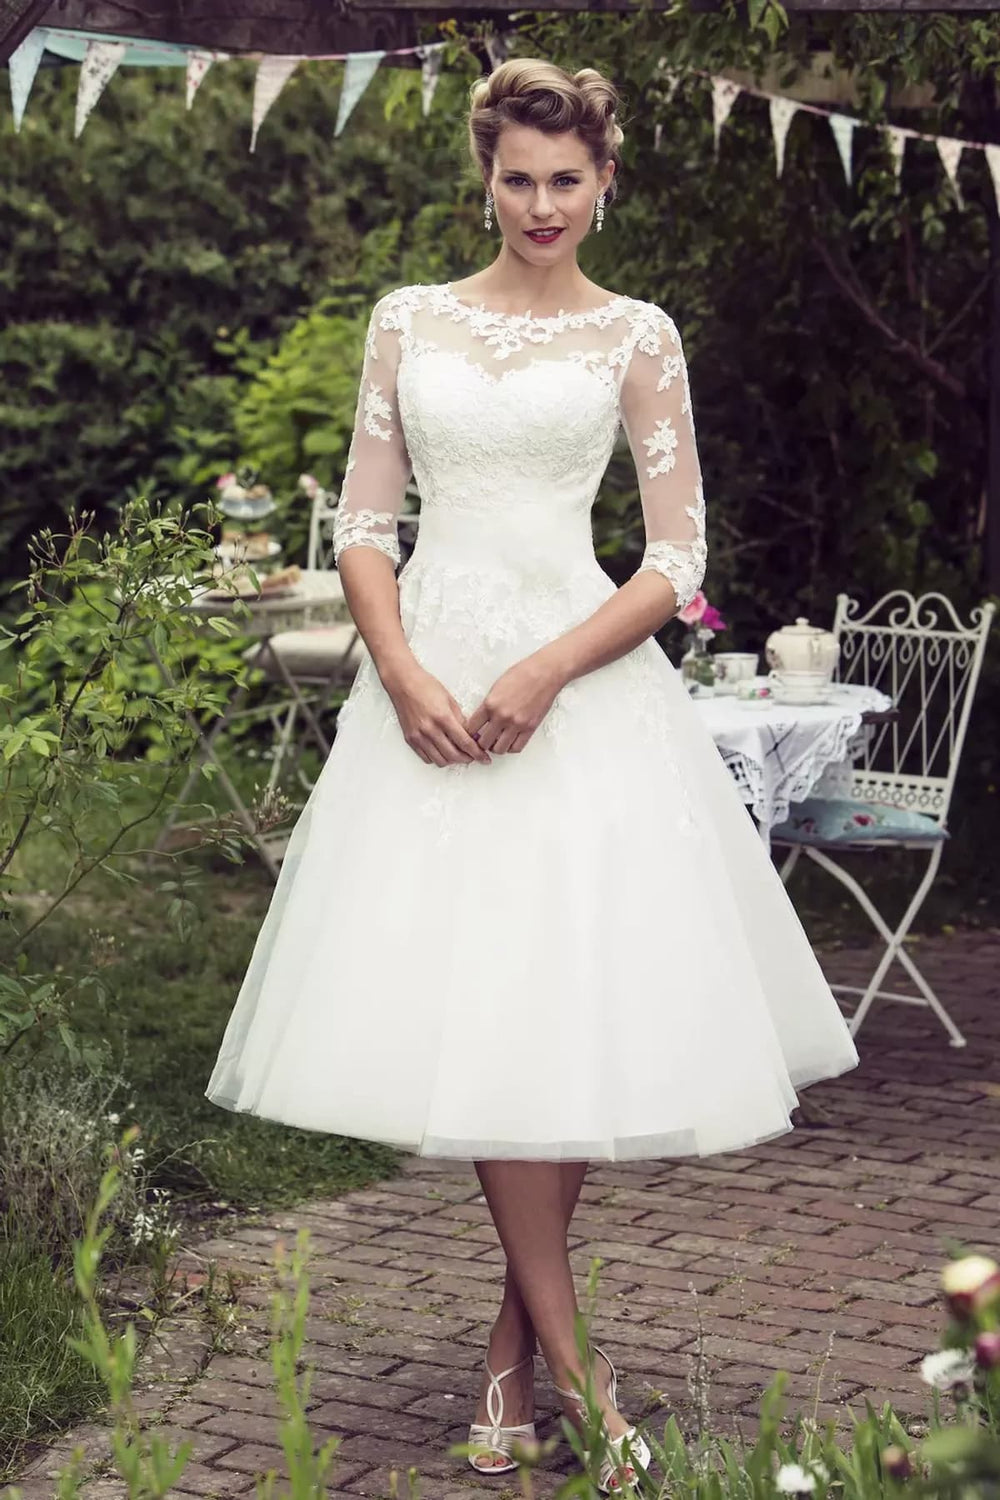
(697, 666)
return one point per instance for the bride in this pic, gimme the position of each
(525, 919)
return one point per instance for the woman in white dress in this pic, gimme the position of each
(524, 918)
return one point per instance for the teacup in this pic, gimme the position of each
(734, 667)
(804, 686)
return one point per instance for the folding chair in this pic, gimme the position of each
(896, 794)
(325, 657)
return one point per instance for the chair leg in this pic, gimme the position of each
(893, 941)
(790, 862)
(279, 745)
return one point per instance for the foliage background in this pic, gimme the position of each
(174, 304)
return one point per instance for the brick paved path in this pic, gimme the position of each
(825, 1242)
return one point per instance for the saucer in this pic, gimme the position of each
(795, 700)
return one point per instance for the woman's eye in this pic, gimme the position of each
(568, 181)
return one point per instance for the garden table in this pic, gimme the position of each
(781, 753)
(317, 598)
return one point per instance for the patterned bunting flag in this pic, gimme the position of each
(198, 65)
(96, 71)
(272, 75)
(724, 93)
(430, 72)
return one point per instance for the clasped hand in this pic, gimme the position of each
(435, 728)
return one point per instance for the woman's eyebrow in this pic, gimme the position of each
(560, 173)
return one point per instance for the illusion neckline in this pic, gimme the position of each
(559, 317)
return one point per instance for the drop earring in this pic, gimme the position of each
(600, 213)
(488, 211)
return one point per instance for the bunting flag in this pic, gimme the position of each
(782, 111)
(430, 72)
(992, 154)
(100, 63)
(897, 146)
(272, 75)
(843, 133)
(359, 70)
(23, 67)
(724, 94)
(950, 151)
(198, 64)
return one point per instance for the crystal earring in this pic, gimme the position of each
(488, 213)
(600, 213)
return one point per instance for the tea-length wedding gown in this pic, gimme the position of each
(581, 950)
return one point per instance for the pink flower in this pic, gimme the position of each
(863, 818)
(309, 484)
(223, 480)
(692, 613)
(711, 619)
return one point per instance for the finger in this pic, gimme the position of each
(434, 751)
(488, 734)
(505, 739)
(461, 737)
(451, 753)
(521, 741)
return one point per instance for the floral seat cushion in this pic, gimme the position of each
(841, 820)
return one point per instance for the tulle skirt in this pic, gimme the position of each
(579, 951)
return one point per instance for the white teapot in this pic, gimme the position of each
(802, 649)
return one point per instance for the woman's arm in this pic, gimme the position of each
(657, 416)
(659, 423)
(366, 552)
(365, 536)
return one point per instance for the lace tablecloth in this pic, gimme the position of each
(778, 755)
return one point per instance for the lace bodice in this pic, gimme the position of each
(507, 423)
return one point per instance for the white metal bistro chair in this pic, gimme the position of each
(896, 794)
(324, 657)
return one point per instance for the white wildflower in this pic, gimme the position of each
(112, 1119)
(947, 1367)
(792, 1479)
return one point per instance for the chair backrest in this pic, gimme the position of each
(319, 553)
(918, 652)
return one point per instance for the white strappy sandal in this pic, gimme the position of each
(490, 1437)
(614, 1465)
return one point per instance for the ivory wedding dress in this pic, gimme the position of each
(581, 950)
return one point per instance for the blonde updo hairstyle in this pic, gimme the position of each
(531, 91)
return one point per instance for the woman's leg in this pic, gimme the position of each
(527, 1203)
(513, 1334)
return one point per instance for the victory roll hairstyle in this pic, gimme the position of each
(531, 91)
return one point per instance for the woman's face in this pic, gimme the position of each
(542, 181)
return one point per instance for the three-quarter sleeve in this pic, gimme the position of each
(658, 420)
(378, 465)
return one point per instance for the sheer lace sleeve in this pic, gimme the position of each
(659, 424)
(378, 465)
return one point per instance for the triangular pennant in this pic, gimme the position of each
(657, 134)
(843, 133)
(359, 70)
(100, 63)
(198, 64)
(950, 151)
(23, 66)
(430, 71)
(272, 75)
(897, 146)
(993, 162)
(724, 94)
(782, 112)
(671, 75)
(496, 50)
